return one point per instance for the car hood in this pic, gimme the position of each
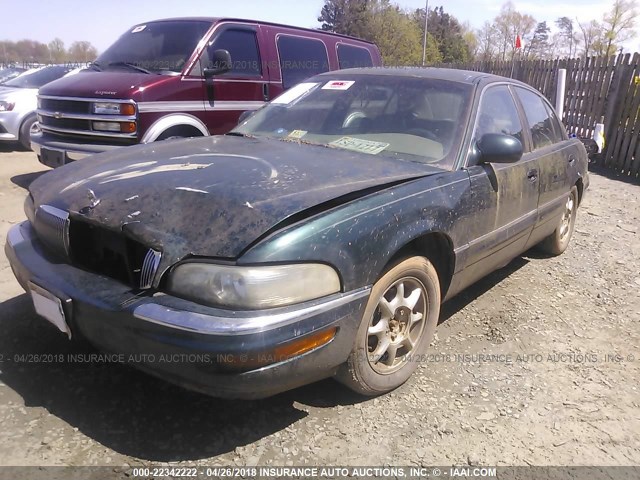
(108, 84)
(213, 196)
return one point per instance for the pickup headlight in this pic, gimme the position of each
(112, 108)
(251, 288)
(6, 106)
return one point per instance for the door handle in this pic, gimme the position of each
(572, 159)
(265, 92)
(532, 175)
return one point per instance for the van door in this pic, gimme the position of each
(245, 86)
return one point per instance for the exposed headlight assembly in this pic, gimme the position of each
(6, 106)
(252, 288)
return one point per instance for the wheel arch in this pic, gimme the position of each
(437, 247)
(173, 120)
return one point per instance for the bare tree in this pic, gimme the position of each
(509, 24)
(591, 37)
(619, 24)
(487, 39)
(567, 34)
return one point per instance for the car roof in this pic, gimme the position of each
(246, 20)
(451, 74)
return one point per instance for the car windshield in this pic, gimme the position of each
(39, 77)
(406, 117)
(154, 47)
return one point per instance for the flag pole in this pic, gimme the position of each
(424, 41)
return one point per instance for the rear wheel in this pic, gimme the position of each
(29, 126)
(558, 241)
(398, 325)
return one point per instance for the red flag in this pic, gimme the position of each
(518, 42)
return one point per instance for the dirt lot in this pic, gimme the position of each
(537, 364)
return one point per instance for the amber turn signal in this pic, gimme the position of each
(127, 109)
(254, 360)
(128, 127)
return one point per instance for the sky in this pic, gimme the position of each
(101, 22)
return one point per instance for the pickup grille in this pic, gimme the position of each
(74, 117)
(110, 253)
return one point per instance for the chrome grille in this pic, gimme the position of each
(149, 268)
(52, 227)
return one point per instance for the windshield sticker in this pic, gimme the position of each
(297, 134)
(139, 28)
(294, 93)
(359, 145)
(338, 85)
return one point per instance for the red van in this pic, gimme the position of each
(174, 78)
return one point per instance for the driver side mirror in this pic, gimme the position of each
(499, 148)
(221, 63)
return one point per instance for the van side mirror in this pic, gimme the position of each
(221, 63)
(499, 148)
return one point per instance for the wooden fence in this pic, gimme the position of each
(598, 90)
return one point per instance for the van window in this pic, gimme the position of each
(353, 57)
(242, 44)
(301, 58)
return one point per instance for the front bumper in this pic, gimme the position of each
(10, 125)
(54, 153)
(153, 327)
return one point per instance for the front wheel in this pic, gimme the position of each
(29, 127)
(397, 327)
(558, 241)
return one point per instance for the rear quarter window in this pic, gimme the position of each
(301, 58)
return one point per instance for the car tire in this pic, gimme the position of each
(26, 129)
(398, 324)
(558, 241)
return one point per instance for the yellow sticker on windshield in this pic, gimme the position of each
(359, 145)
(297, 134)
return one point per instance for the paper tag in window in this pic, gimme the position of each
(359, 145)
(338, 85)
(294, 93)
(139, 28)
(297, 134)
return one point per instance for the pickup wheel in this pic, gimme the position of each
(398, 325)
(558, 241)
(29, 126)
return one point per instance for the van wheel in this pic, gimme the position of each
(179, 131)
(558, 241)
(398, 325)
(29, 126)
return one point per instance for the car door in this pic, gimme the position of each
(504, 197)
(244, 87)
(555, 155)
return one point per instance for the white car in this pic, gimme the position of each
(18, 102)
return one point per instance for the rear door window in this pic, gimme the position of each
(301, 58)
(353, 57)
(539, 118)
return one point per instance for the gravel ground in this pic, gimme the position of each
(537, 364)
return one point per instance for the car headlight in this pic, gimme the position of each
(6, 106)
(112, 108)
(251, 288)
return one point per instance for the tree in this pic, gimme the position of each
(511, 23)
(82, 52)
(567, 34)
(487, 40)
(348, 17)
(57, 52)
(619, 25)
(591, 37)
(447, 32)
(397, 35)
(538, 46)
